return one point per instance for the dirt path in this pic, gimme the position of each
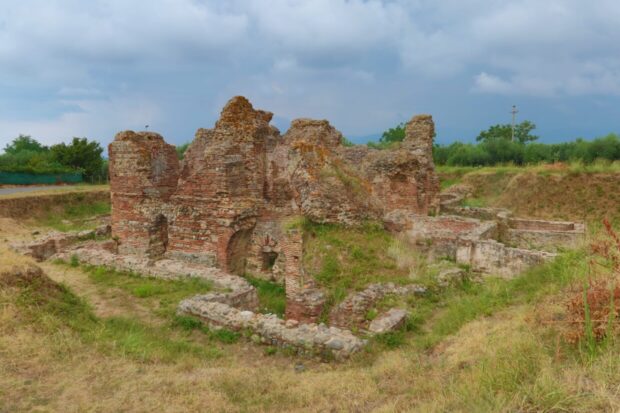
(106, 302)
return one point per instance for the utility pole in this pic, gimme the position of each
(514, 117)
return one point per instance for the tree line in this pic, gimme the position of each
(496, 145)
(26, 154)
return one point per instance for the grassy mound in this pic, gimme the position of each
(563, 192)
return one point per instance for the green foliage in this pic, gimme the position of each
(24, 143)
(74, 261)
(504, 132)
(271, 295)
(27, 155)
(471, 300)
(55, 309)
(390, 137)
(342, 259)
(493, 151)
(189, 323)
(181, 149)
(165, 293)
(346, 142)
(395, 134)
(29, 161)
(73, 217)
(80, 154)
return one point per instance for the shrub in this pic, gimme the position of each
(593, 312)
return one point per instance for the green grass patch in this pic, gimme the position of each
(442, 315)
(54, 308)
(342, 259)
(448, 182)
(271, 295)
(474, 203)
(189, 323)
(74, 217)
(164, 295)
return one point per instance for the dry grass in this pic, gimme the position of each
(481, 349)
(562, 192)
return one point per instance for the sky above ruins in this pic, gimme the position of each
(92, 68)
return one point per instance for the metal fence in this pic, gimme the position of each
(22, 178)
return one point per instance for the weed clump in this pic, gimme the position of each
(593, 312)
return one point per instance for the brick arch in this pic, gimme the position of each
(158, 236)
(237, 251)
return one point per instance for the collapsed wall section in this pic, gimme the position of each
(403, 178)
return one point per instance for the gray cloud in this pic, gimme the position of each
(364, 64)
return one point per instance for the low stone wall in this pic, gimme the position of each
(492, 257)
(542, 225)
(439, 236)
(234, 309)
(93, 254)
(352, 311)
(549, 236)
(54, 242)
(486, 214)
(551, 241)
(308, 339)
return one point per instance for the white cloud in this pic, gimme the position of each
(487, 83)
(95, 119)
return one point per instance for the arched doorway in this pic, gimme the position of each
(237, 250)
(158, 237)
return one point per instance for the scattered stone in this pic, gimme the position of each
(389, 321)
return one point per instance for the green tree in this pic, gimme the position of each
(523, 133)
(181, 150)
(395, 134)
(80, 154)
(390, 137)
(24, 143)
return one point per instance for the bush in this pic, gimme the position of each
(501, 151)
(27, 155)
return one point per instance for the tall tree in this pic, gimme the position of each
(24, 143)
(80, 154)
(522, 132)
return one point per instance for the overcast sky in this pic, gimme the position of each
(92, 68)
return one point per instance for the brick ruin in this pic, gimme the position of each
(236, 204)
(236, 199)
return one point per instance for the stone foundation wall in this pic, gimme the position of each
(309, 339)
(352, 311)
(495, 258)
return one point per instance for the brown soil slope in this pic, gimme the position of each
(569, 196)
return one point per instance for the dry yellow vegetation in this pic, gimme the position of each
(91, 346)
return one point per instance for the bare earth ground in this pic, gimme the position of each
(20, 192)
(505, 360)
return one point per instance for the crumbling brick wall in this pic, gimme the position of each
(241, 182)
(143, 175)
